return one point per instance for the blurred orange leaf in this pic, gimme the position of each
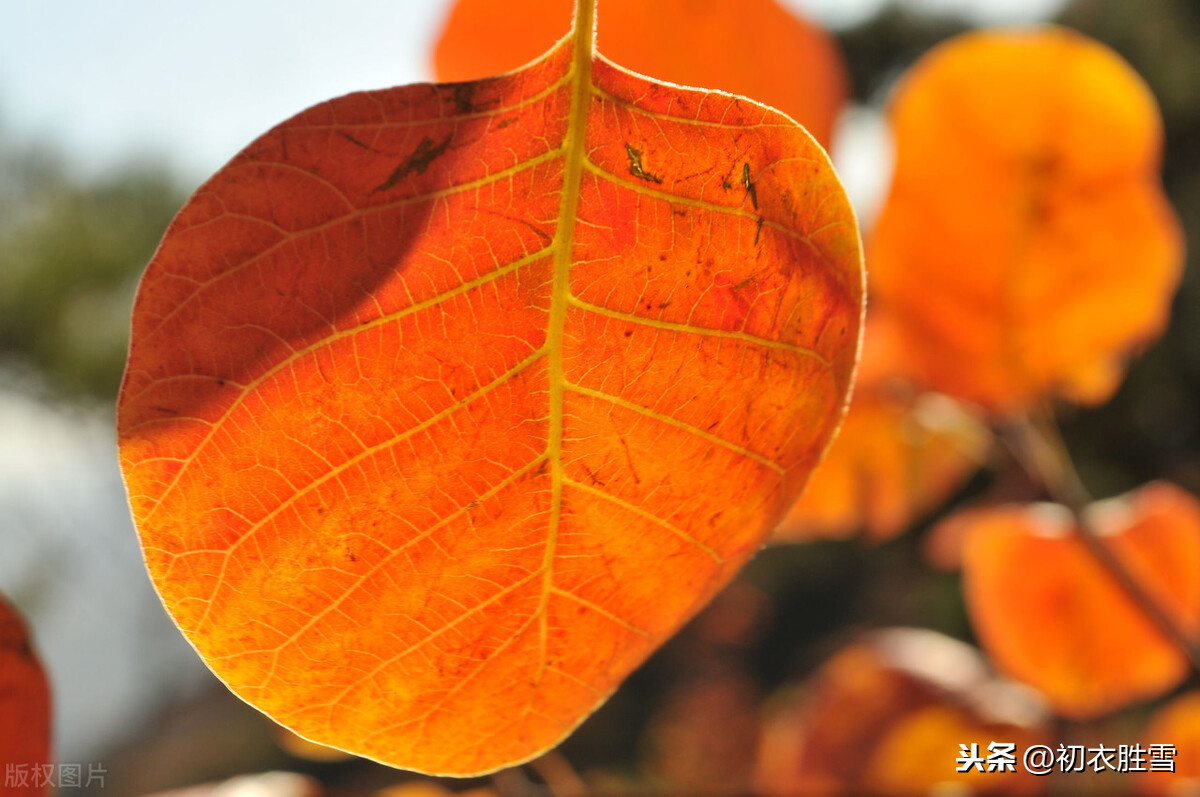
(1176, 724)
(1026, 246)
(887, 715)
(898, 455)
(24, 709)
(1050, 615)
(430, 388)
(756, 48)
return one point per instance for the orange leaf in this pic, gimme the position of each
(897, 456)
(887, 715)
(755, 48)
(24, 708)
(432, 390)
(1026, 246)
(1176, 724)
(1050, 615)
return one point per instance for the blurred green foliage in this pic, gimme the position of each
(71, 252)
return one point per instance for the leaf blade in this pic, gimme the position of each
(387, 517)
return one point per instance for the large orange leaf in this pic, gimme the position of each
(899, 454)
(755, 48)
(1026, 245)
(24, 710)
(1050, 615)
(447, 404)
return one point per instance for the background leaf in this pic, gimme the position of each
(755, 48)
(885, 715)
(1177, 723)
(1026, 246)
(898, 455)
(1049, 614)
(24, 708)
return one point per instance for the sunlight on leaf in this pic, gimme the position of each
(899, 454)
(886, 715)
(1051, 616)
(448, 404)
(756, 48)
(1026, 246)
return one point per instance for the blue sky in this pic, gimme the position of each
(190, 83)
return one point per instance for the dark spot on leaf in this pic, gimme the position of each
(592, 475)
(463, 93)
(425, 153)
(629, 333)
(629, 461)
(166, 410)
(758, 230)
(503, 123)
(635, 166)
(358, 143)
(751, 189)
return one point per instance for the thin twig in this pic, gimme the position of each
(1040, 449)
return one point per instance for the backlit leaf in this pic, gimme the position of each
(1026, 246)
(755, 48)
(447, 404)
(24, 708)
(1176, 724)
(1050, 615)
(899, 453)
(886, 715)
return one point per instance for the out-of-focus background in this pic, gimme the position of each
(112, 113)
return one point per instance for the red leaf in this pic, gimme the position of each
(24, 710)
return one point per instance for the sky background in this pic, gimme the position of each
(190, 83)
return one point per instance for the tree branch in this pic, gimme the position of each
(1039, 447)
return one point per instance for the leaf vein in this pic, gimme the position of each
(678, 424)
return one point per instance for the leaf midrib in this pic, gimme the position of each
(582, 38)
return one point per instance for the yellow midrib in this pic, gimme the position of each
(581, 80)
